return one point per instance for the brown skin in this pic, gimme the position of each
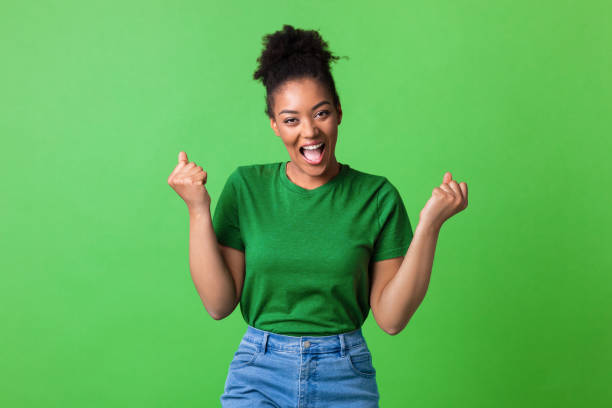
(188, 180)
(217, 271)
(398, 285)
(306, 126)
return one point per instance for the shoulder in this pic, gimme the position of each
(380, 188)
(258, 169)
(249, 173)
(370, 181)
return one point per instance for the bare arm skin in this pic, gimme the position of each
(217, 271)
(399, 284)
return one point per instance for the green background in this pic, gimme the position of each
(97, 98)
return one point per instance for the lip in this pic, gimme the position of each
(322, 154)
(313, 143)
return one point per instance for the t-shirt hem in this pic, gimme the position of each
(231, 243)
(307, 333)
(391, 253)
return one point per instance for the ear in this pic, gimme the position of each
(339, 113)
(274, 126)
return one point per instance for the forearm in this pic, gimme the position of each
(405, 291)
(210, 274)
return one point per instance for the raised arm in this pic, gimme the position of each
(217, 271)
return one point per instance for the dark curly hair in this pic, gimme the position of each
(293, 53)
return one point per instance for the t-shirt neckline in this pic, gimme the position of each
(304, 191)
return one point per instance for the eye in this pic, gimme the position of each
(324, 112)
(287, 120)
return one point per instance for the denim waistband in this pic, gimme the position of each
(266, 340)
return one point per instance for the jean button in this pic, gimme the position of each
(306, 344)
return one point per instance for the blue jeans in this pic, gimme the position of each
(275, 370)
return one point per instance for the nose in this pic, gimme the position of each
(309, 129)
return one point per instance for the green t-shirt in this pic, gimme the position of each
(308, 253)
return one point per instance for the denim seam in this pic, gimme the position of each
(297, 350)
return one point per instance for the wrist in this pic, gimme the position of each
(429, 226)
(199, 212)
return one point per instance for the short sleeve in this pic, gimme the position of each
(395, 231)
(226, 222)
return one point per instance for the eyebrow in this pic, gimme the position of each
(313, 108)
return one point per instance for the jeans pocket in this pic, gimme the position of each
(360, 361)
(246, 355)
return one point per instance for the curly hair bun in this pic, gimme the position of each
(295, 50)
(294, 53)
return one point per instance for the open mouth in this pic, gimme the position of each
(313, 156)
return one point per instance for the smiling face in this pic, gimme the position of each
(304, 114)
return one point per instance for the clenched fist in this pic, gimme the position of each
(446, 201)
(188, 180)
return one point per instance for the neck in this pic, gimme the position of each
(309, 181)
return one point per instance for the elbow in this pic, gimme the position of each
(214, 315)
(217, 316)
(392, 332)
(400, 326)
(219, 311)
(220, 315)
(387, 328)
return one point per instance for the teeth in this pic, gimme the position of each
(312, 147)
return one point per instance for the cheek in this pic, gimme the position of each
(290, 145)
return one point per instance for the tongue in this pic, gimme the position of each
(313, 155)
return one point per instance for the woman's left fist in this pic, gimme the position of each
(447, 200)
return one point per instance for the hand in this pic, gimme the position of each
(188, 181)
(446, 201)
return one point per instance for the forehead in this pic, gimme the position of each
(300, 92)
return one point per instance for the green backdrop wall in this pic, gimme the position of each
(97, 98)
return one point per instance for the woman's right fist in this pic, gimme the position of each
(188, 181)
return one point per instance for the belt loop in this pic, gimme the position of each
(264, 342)
(342, 344)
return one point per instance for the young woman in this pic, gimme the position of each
(307, 246)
